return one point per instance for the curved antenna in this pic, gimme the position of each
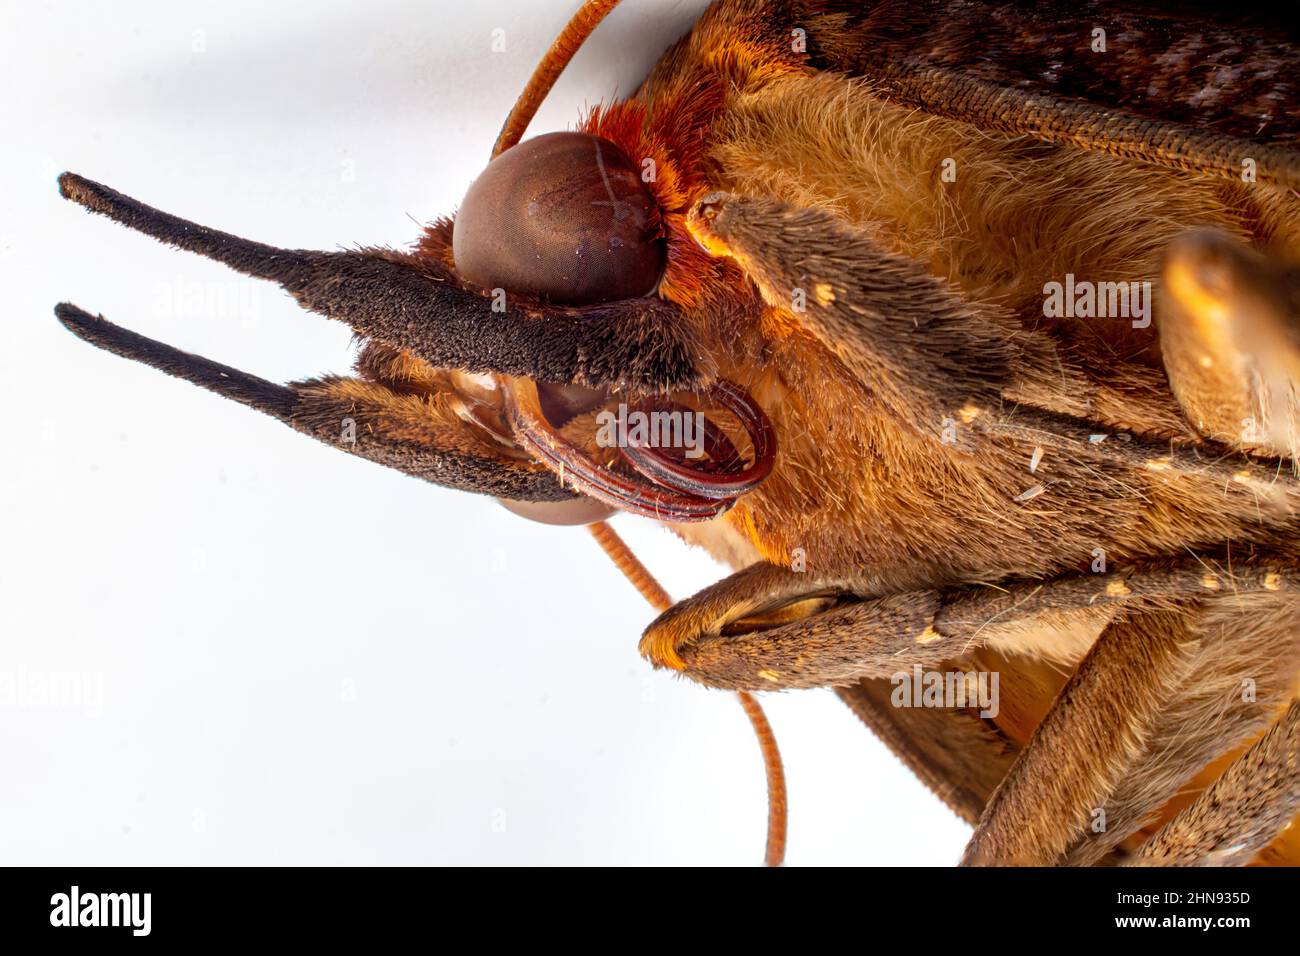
(776, 793)
(654, 593)
(572, 37)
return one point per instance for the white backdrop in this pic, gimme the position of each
(225, 643)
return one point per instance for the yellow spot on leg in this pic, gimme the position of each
(824, 292)
(772, 676)
(1118, 589)
(929, 635)
(1272, 581)
(1210, 582)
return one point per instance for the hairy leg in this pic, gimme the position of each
(1159, 696)
(768, 628)
(1092, 734)
(1239, 813)
(1242, 676)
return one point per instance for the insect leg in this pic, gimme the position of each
(922, 350)
(1093, 732)
(1161, 694)
(1230, 335)
(769, 628)
(1242, 677)
(1240, 812)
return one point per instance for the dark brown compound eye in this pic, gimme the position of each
(563, 217)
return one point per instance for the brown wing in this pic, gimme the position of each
(953, 752)
(1185, 85)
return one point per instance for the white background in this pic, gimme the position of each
(273, 653)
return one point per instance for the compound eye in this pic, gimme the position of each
(563, 217)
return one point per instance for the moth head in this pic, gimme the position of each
(496, 393)
(493, 348)
(563, 218)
